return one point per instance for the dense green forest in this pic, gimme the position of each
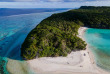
(57, 34)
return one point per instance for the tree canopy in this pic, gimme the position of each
(57, 34)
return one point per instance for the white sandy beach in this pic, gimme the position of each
(79, 62)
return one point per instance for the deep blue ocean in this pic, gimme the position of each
(15, 24)
(99, 43)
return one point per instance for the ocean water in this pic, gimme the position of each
(13, 31)
(99, 43)
(17, 11)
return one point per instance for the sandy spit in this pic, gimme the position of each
(79, 62)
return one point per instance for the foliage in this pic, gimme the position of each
(57, 34)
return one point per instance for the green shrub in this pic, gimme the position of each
(57, 34)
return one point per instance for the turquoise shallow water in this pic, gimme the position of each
(13, 31)
(99, 43)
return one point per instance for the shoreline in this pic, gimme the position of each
(90, 53)
(81, 35)
(78, 62)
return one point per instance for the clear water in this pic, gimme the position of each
(99, 43)
(13, 31)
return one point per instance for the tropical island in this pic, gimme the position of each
(57, 35)
(61, 44)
